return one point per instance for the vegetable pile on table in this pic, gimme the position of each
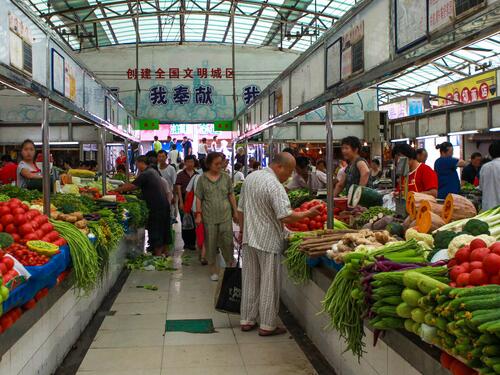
(306, 223)
(299, 196)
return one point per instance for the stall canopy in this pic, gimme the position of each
(292, 24)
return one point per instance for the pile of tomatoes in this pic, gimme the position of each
(475, 264)
(26, 256)
(313, 223)
(24, 224)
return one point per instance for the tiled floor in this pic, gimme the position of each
(131, 342)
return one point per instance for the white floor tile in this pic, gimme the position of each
(186, 356)
(140, 308)
(128, 338)
(222, 336)
(122, 359)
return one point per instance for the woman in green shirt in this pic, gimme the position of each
(216, 208)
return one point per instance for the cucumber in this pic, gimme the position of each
(476, 291)
(484, 327)
(477, 303)
(494, 327)
(483, 317)
(491, 350)
(392, 300)
(486, 339)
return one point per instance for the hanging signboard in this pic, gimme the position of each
(411, 23)
(441, 13)
(69, 81)
(223, 125)
(479, 87)
(57, 72)
(20, 44)
(353, 50)
(333, 65)
(148, 124)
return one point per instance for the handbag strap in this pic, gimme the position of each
(238, 246)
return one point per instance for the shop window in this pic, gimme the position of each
(464, 6)
(358, 62)
(27, 57)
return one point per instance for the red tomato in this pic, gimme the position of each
(39, 233)
(16, 237)
(11, 228)
(462, 255)
(312, 223)
(324, 217)
(465, 266)
(17, 211)
(24, 207)
(455, 272)
(19, 219)
(30, 304)
(475, 265)
(463, 279)
(305, 220)
(477, 243)
(491, 264)
(303, 228)
(42, 219)
(7, 219)
(478, 277)
(31, 236)
(479, 254)
(4, 210)
(495, 248)
(1, 228)
(453, 284)
(3, 268)
(25, 229)
(452, 263)
(60, 242)
(54, 235)
(15, 200)
(9, 262)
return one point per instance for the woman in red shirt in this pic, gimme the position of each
(121, 160)
(421, 177)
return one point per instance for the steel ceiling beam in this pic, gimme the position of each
(257, 18)
(182, 21)
(109, 26)
(160, 27)
(231, 19)
(310, 24)
(135, 20)
(206, 22)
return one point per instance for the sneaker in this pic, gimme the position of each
(214, 277)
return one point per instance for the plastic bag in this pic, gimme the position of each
(17, 275)
(187, 222)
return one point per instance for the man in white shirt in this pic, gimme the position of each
(318, 177)
(489, 179)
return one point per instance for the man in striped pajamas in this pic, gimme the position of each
(264, 208)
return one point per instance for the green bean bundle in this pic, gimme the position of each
(83, 254)
(296, 263)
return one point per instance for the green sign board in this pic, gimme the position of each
(223, 126)
(148, 124)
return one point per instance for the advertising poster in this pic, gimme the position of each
(441, 13)
(70, 81)
(479, 87)
(333, 73)
(411, 23)
(20, 44)
(58, 72)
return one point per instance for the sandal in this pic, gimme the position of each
(203, 261)
(275, 332)
(248, 327)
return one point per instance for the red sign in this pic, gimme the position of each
(180, 73)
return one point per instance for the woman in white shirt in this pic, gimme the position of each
(202, 149)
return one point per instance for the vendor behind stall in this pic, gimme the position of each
(27, 169)
(470, 173)
(301, 174)
(446, 169)
(421, 177)
(357, 172)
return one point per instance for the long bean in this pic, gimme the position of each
(296, 263)
(83, 254)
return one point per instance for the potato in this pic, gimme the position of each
(71, 218)
(78, 214)
(81, 224)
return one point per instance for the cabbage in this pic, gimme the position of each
(71, 189)
(458, 242)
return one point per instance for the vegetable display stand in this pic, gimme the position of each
(41, 277)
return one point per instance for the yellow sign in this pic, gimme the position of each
(479, 87)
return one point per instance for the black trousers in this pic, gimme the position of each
(188, 236)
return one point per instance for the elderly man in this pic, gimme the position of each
(264, 208)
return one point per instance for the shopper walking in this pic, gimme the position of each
(264, 208)
(156, 196)
(357, 172)
(181, 183)
(241, 157)
(156, 144)
(238, 174)
(216, 206)
(166, 170)
(27, 169)
(470, 173)
(187, 147)
(202, 149)
(213, 145)
(490, 178)
(446, 169)
(169, 144)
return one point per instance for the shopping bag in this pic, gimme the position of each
(200, 235)
(187, 222)
(188, 202)
(228, 292)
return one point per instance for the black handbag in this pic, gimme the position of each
(228, 293)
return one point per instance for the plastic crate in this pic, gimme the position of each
(313, 262)
(327, 262)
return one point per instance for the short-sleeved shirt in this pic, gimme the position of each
(169, 174)
(297, 182)
(22, 182)
(423, 178)
(153, 190)
(214, 196)
(470, 174)
(488, 183)
(183, 179)
(264, 202)
(8, 173)
(448, 182)
(352, 174)
(157, 146)
(186, 146)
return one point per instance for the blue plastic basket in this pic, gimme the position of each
(327, 262)
(41, 277)
(313, 262)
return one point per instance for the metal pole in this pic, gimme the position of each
(102, 138)
(127, 170)
(246, 157)
(271, 145)
(233, 61)
(233, 144)
(329, 165)
(46, 157)
(137, 88)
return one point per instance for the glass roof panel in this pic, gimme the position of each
(257, 21)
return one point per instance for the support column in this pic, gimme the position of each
(46, 157)
(127, 166)
(245, 169)
(233, 145)
(329, 164)
(102, 157)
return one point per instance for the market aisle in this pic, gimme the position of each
(131, 341)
